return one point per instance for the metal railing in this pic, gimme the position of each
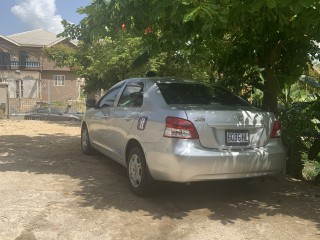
(29, 64)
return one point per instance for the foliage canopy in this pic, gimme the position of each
(266, 44)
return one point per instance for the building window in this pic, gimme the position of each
(19, 89)
(23, 56)
(5, 61)
(59, 80)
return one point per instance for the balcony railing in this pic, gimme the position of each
(29, 64)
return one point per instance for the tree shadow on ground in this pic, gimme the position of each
(103, 185)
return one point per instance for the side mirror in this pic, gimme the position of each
(90, 103)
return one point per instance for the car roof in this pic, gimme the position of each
(163, 80)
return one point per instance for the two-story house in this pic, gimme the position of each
(30, 76)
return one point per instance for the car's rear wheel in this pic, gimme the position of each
(140, 181)
(85, 141)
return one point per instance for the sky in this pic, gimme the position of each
(24, 15)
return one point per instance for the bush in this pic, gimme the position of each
(301, 135)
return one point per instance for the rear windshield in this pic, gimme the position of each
(199, 94)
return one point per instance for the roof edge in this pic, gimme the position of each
(10, 40)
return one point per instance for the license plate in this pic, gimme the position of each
(237, 137)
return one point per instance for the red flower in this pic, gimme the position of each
(148, 30)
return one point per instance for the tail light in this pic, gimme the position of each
(180, 128)
(276, 131)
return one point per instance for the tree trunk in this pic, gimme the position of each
(270, 92)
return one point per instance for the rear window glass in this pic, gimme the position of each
(194, 93)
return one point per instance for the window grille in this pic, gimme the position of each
(59, 80)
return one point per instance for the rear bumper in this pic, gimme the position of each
(187, 161)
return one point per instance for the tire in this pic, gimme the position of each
(139, 178)
(86, 147)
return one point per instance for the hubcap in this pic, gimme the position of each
(135, 171)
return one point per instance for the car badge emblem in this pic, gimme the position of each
(199, 119)
(238, 117)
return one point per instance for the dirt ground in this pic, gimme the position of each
(49, 190)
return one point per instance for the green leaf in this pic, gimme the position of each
(186, 2)
(261, 76)
(191, 16)
(223, 19)
(208, 11)
(256, 5)
(213, 6)
(271, 4)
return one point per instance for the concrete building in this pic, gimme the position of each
(30, 76)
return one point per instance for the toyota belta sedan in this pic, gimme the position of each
(166, 129)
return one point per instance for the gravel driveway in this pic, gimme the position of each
(49, 190)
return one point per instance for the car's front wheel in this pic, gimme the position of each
(140, 181)
(85, 141)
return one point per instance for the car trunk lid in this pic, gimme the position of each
(229, 127)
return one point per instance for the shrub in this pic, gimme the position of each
(301, 135)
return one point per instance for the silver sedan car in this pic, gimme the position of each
(177, 130)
